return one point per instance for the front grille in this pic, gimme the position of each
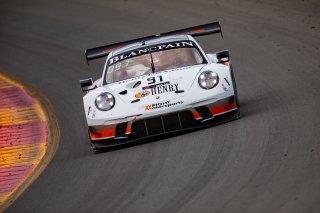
(154, 126)
(139, 130)
(163, 124)
(171, 122)
(121, 130)
(204, 112)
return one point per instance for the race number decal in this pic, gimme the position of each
(153, 80)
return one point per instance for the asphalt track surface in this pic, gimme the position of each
(267, 161)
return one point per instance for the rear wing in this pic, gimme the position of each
(201, 30)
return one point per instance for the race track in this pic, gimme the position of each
(267, 161)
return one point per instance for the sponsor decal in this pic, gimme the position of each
(146, 50)
(142, 94)
(162, 88)
(165, 104)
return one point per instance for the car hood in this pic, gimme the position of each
(161, 86)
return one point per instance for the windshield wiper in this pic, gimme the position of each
(152, 64)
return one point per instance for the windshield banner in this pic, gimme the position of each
(149, 49)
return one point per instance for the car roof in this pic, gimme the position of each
(151, 42)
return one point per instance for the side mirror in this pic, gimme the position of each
(86, 84)
(223, 57)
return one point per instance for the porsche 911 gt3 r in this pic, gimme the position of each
(158, 84)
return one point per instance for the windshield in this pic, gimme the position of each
(161, 60)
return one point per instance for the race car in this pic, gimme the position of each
(156, 85)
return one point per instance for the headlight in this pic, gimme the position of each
(105, 101)
(208, 79)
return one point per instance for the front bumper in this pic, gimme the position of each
(203, 116)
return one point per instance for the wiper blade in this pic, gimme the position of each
(152, 64)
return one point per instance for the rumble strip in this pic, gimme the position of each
(28, 138)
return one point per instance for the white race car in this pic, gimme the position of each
(156, 85)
